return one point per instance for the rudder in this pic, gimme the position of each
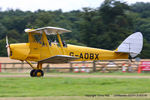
(133, 44)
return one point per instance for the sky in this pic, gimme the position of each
(65, 5)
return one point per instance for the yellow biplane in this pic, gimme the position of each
(43, 50)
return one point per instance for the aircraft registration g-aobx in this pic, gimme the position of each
(42, 50)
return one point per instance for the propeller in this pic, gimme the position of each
(7, 46)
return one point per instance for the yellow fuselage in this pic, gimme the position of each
(36, 52)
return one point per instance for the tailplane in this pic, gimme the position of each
(133, 44)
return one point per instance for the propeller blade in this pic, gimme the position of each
(7, 46)
(8, 51)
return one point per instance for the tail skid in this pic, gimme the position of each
(133, 44)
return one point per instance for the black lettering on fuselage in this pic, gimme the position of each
(96, 56)
(91, 56)
(71, 54)
(81, 55)
(76, 55)
(86, 56)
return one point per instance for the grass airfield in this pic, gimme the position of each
(74, 98)
(73, 88)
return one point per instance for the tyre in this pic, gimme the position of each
(32, 73)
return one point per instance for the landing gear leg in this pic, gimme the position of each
(39, 72)
(36, 72)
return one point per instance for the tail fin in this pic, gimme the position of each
(133, 44)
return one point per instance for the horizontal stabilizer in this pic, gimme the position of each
(59, 59)
(132, 44)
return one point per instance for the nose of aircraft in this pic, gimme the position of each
(19, 51)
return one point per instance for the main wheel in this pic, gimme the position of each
(39, 73)
(32, 73)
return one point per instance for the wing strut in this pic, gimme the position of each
(60, 42)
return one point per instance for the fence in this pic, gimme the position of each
(95, 66)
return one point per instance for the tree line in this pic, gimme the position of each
(103, 27)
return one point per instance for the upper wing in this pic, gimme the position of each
(48, 30)
(59, 59)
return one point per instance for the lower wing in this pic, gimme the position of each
(58, 59)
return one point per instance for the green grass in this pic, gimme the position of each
(99, 73)
(46, 86)
(96, 73)
(5, 73)
(74, 98)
